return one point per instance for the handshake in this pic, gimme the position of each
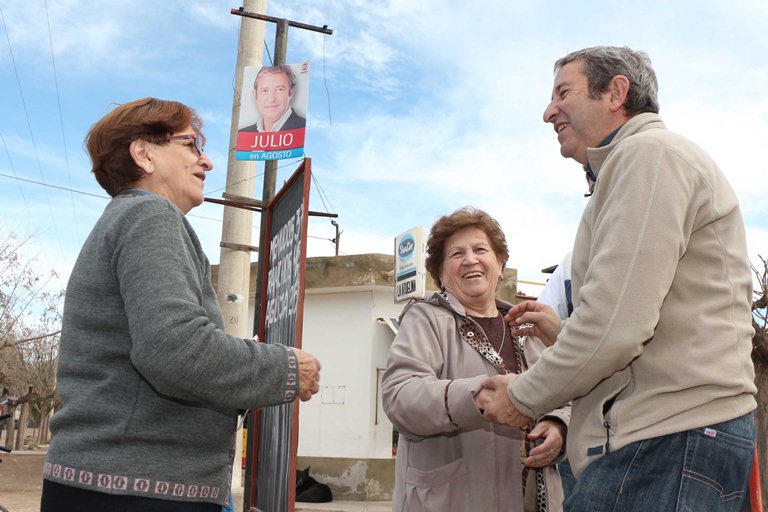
(548, 434)
(492, 400)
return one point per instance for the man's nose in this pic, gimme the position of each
(550, 112)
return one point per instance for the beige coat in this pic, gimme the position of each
(441, 467)
(661, 334)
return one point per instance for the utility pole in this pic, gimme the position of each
(268, 191)
(235, 258)
(338, 235)
(270, 171)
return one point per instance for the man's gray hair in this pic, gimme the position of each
(602, 63)
(284, 69)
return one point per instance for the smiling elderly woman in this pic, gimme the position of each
(449, 458)
(150, 383)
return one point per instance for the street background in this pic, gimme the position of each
(21, 483)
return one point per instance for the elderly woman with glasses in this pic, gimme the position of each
(449, 458)
(150, 384)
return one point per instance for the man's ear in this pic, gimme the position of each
(141, 153)
(619, 89)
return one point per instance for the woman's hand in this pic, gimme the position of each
(495, 403)
(309, 374)
(553, 433)
(532, 318)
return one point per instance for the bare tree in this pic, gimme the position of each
(760, 358)
(39, 357)
(30, 321)
(22, 288)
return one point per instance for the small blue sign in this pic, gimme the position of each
(406, 247)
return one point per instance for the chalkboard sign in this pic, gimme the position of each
(282, 304)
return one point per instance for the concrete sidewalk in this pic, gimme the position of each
(346, 506)
(334, 506)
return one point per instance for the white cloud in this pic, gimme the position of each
(435, 105)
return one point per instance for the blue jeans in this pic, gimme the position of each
(700, 470)
(566, 477)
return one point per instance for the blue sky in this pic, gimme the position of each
(415, 108)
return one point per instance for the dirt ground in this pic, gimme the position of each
(21, 483)
(21, 480)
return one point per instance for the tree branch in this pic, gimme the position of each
(8, 344)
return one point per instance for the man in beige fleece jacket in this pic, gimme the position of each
(656, 355)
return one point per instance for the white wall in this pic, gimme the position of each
(345, 419)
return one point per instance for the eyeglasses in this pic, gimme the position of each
(197, 148)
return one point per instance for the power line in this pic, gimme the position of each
(29, 126)
(21, 190)
(314, 179)
(71, 190)
(235, 89)
(74, 191)
(325, 81)
(268, 55)
(61, 121)
(249, 178)
(321, 238)
(322, 193)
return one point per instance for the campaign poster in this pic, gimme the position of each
(273, 112)
(410, 268)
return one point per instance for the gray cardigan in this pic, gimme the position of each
(150, 383)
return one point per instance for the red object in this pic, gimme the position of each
(755, 491)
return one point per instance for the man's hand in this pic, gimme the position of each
(493, 400)
(482, 398)
(531, 318)
(309, 374)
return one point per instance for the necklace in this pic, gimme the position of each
(503, 333)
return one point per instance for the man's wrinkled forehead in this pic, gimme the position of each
(567, 77)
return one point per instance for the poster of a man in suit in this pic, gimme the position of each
(273, 117)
